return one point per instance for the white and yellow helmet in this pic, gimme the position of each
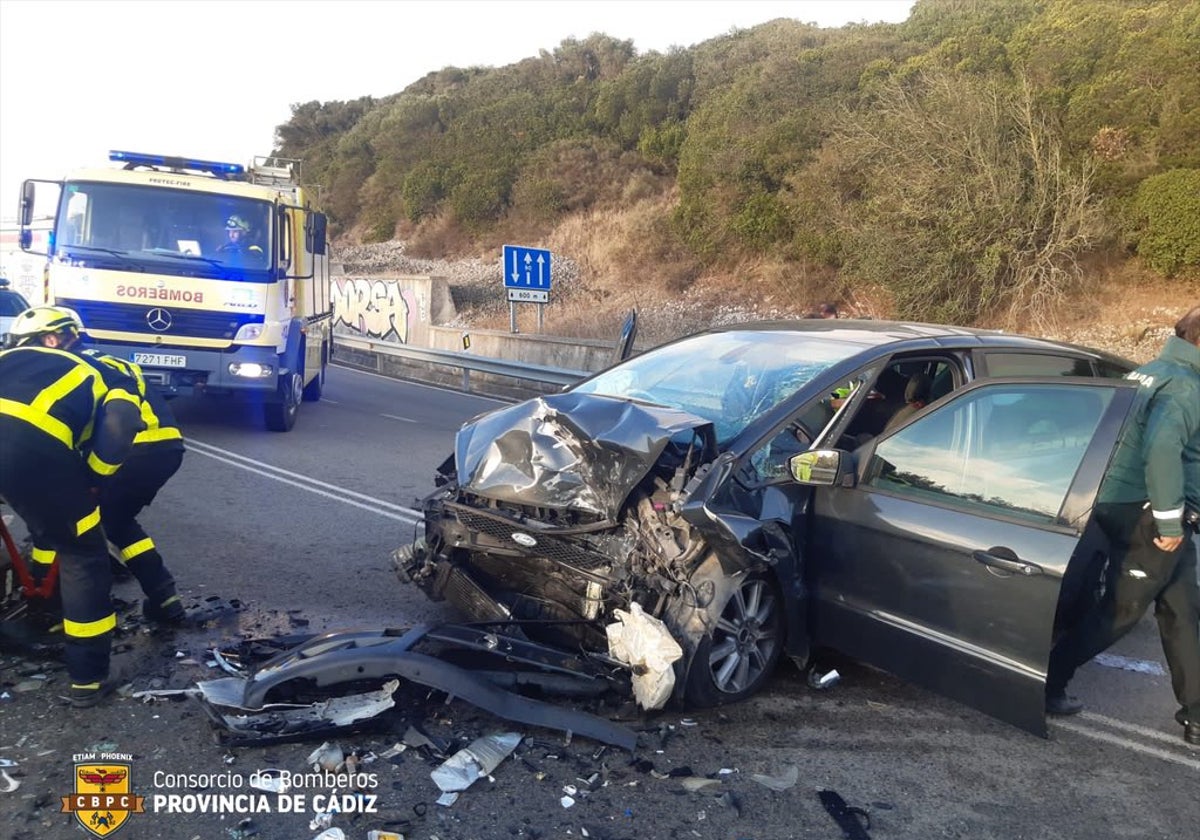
(42, 320)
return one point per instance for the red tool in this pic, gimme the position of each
(29, 587)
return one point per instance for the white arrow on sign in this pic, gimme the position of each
(516, 276)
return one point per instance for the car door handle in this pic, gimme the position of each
(1006, 560)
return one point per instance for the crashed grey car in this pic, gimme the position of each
(915, 496)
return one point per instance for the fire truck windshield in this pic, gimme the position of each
(164, 231)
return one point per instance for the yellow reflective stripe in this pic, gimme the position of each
(155, 435)
(101, 467)
(173, 599)
(122, 394)
(87, 523)
(67, 383)
(88, 629)
(139, 547)
(91, 686)
(52, 426)
(45, 556)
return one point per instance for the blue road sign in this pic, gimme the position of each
(526, 268)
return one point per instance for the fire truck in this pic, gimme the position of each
(145, 252)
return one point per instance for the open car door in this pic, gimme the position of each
(939, 549)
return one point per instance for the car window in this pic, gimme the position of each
(11, 303)
(1036, 364)
(1112, 370)
(1010, 450)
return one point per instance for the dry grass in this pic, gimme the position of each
(614, 259)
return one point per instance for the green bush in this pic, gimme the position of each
(1165, 220)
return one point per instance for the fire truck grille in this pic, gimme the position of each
(179, 322)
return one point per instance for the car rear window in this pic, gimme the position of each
(11, 303)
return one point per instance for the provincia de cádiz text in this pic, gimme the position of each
(263, 792)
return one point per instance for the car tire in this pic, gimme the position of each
(739, 655)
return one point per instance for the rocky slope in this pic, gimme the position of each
(1134, 326)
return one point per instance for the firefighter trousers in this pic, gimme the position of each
(121, 500)
(1139, 574)
(49, 487)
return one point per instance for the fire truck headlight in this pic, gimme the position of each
(251, 370)
(249, 332)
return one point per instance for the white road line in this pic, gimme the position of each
(1144, 731)
(396, 417)
(1109, 738)
(330, 491)
(1125, 663)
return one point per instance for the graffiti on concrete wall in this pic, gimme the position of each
(375, 308)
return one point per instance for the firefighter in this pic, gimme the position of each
(156, 456)
(237, 238)
(54, 405)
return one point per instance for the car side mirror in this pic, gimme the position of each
(821, 468)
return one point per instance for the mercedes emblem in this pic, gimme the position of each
(158, 319)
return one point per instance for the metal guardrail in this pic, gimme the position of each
(468, 363)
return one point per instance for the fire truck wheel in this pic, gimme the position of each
(281, 412)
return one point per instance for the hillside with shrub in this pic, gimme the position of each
(1016, 163)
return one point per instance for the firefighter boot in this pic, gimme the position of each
(164, 608)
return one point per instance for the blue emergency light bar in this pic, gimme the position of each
(214, 166)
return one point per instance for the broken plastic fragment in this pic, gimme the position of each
(693, 784)
(477, 759)
(823, 681)
(647, 646)
(327, 757)
(270, 780)
(566, 802)
(331, 834)
(7, 783)
(785, 780)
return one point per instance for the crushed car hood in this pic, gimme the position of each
(580, 452)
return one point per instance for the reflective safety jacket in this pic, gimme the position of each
(162, 431)
(1159, 453)
(80, 403)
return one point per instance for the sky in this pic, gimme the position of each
(212, 79)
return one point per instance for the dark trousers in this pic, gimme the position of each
(125, 496)
(1139, 573)
(48, 486)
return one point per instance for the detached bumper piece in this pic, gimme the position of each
(338, 680)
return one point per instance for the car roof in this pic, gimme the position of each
(916, 335)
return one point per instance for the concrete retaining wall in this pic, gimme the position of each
(407, 310)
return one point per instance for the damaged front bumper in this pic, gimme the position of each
(292, 694)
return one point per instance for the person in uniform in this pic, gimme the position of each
(66, 426)
(156, 456)
(1142, 508)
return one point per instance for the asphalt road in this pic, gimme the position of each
(299, 527)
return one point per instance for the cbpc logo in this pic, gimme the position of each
(103, 797)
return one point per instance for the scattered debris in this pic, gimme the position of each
(327, 757)
(476, 760)
(270, 780)
(7, 783)
(785, 780)
(849, 819)
(821, 681)
(694, 784)
(645, 644)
